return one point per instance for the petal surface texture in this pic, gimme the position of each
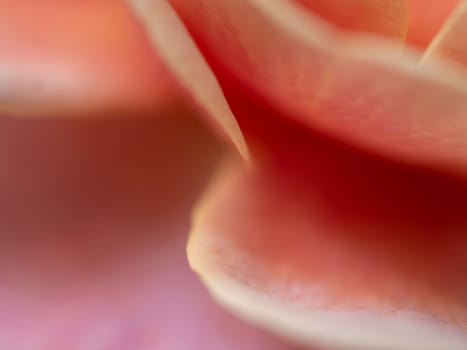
(381, 17)
(86, 55)
(360, 89)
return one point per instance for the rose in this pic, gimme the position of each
(318, 240)
(288, 207)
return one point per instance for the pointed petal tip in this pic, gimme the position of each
(172, 41)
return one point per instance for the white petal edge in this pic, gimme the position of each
(344, 330)
(356, 330)
(175, 46)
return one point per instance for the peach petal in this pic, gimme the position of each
(93, 221)
(382, 17)
(85, 55)
(450, 43)
(173, 42)
(329, 247)
(356, 88)
(426, 18)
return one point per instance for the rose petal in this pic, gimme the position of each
(93, 222)
(450, 41)
(360, 90)
(426, 18)
(330, 247)
(82, 55)
(383, 17)
(373, 247)
(173, 42)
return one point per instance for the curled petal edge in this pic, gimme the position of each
(209, 253)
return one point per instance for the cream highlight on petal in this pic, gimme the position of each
(359, 330)
(173, 42)
(450, 43)
(357, 88)
(426, 18)
(314, 269)
(388, 18)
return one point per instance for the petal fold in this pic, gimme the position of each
(350, 253)
(358, 89)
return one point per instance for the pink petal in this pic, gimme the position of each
(450, 42)
(358, 89)
(383, 17)
(426, 19)
(93, 222)
(330, 246)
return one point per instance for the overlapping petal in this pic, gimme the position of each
(361, 90)
(320, 241)
(94, 209)
(360, 246)
(330, 246)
